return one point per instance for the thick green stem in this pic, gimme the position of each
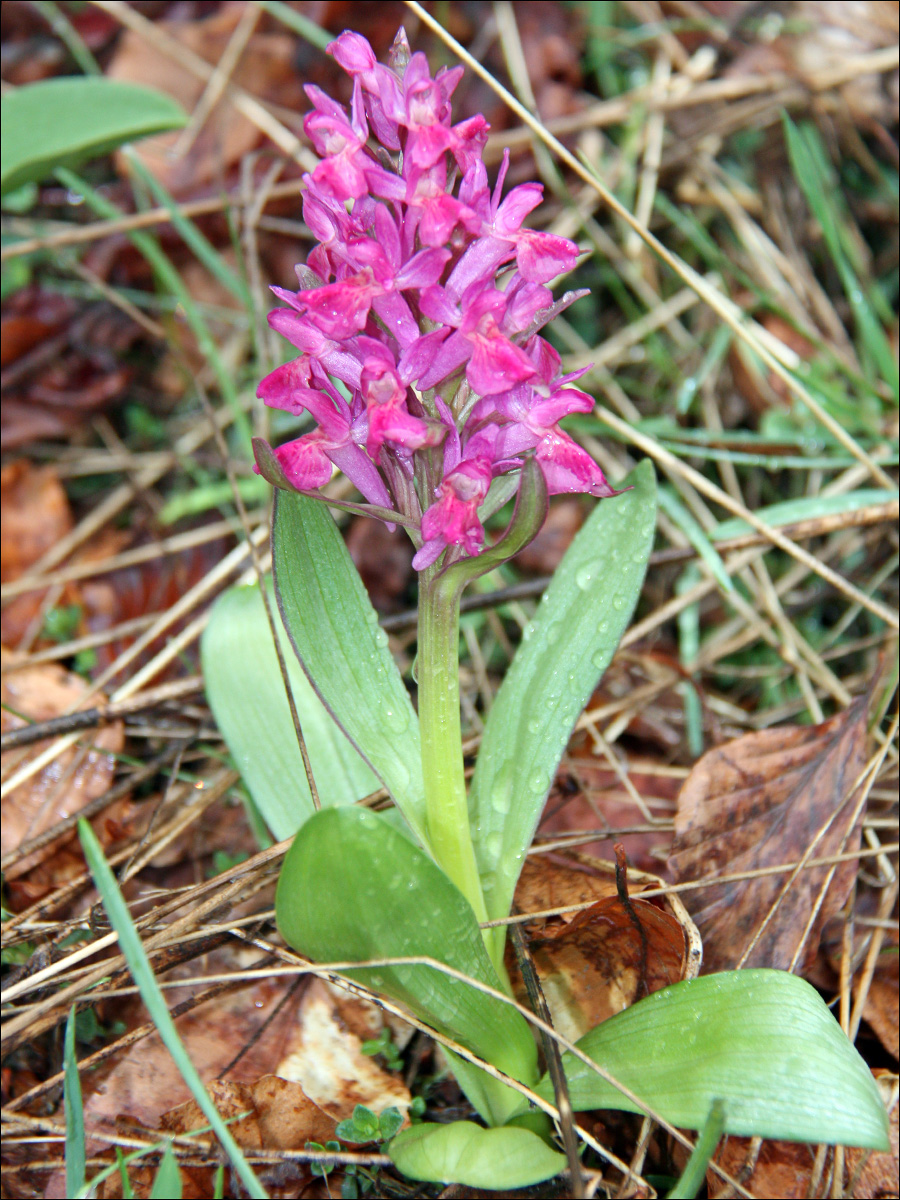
(446, 807)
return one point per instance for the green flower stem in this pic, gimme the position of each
(446, 807)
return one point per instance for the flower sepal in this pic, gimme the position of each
(270, 468)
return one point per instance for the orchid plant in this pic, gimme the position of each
(421, 364)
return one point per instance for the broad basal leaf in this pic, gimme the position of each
(763, 1042)
(61, 122)
(353, 889)
(566, 649)
(247, 696)
(462, 1152)
(334, 630)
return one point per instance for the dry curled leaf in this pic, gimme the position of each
(599, 961)
(278, 1114)
(759, 801)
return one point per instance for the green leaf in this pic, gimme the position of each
(62, 122)
(352, 889)
(335, 634)
(246, 693)
(142, 972)
(568, 646)
(497, 1159)
(167, 1184)
(75, 1151)
(762, 1041)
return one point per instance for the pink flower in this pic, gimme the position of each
(400, 296)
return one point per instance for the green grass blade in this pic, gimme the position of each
(142, 973)
(296, 21)
(353, 889)
(205, 251)
(75, 1151)
(246, 693)
(335, 634)
(167, 1184)
(763, 1042)
(567, 648)
(65, 121)
(692, 530)
(808, 164)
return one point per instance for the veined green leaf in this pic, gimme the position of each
(567, 648)
(761, 1041)
(62, 122)
(352, 889)
(462, 1152)
(335, 634)
(246, 693)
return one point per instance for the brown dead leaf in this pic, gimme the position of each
(876, 1174)
(882, 1008)
(604, 958)
(326, 1058)
(783, 1168)
(278, 1114)
(234, 1103)
(762, 800)
(34, 515)
(266, 70)
(64, 786)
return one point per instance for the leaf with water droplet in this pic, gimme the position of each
(767, 1046)
(549, 683)
(335, 634)
(343, 895)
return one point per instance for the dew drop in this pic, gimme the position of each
(585, 575)
(501, 792)
(381, 638)
(493, 845)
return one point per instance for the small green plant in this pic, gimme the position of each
(384, 1046)
(433, 392)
